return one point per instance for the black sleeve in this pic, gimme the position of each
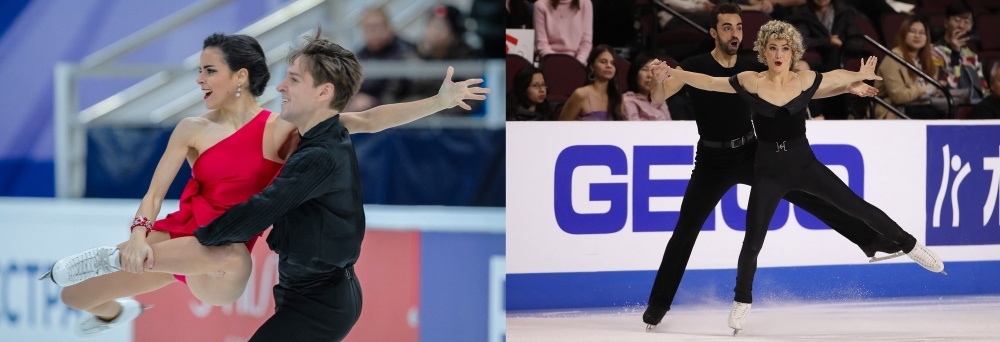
(301, 179)
(985, 110)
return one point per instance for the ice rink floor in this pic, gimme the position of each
(966, 318)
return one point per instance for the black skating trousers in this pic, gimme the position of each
(780, 170)
(716, 170)
(324, 313)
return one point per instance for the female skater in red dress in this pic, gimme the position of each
(234, 152)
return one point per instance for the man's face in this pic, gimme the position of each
(728, 33)
(962, 23)
(298, 95)
(377, 32)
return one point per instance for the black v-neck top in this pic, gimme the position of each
(775, 123)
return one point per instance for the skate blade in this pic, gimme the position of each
(735, 331)
(943, 272)
(887, 257)
(649, 327)
(47, 275)
(147, 307)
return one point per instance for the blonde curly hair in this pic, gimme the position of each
(777, 29)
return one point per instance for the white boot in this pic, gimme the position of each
(89, 325)
(738, 316)
(926, 258)
(90, 263)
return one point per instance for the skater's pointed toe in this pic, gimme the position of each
(926, 258)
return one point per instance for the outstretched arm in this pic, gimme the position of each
(841, 81)
(387, 116)
(664, 87)
(701, 81)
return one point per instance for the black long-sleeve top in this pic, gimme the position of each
(315, 205)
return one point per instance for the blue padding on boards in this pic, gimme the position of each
(27, 177)
(543, 291)
(461, 167)
(454, 284)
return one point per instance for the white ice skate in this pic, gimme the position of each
(90, 263)
(738, 316)
(89, 325)
(926, 258)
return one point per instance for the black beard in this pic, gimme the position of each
(725, 46)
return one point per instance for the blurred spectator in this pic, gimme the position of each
(638, 104)
(443, 36)
(487, 15)
(900, 86)
(959, 66)
(565, 27)
(599, 98)
(989, 108)
(442, 41)
(519, 14)
(381, 43)
(526, 101)
(825, 26)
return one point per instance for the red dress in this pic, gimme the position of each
(226, 174)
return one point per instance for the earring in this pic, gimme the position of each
(591, 77)
(239, 88)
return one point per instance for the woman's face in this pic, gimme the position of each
(916, 38)
(778, 54)
(645, 78)
(215, 79)
(537, 90)
(604, 66)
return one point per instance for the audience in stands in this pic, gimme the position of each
(526, 101)
(565, 27)
(519, 14)
(638, 104)
(825, 26)
(599, 99)
(959, 66)
(900, 86)
(381, 43)
(989, 108)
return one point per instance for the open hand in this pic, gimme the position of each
(454, 93)
(868, 69)
(862, 89)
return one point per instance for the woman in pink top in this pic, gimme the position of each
(638, 104)
(564, 26)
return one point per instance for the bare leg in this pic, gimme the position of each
(97, 295)
(229, 266)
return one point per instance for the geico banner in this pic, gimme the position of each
(589, 197)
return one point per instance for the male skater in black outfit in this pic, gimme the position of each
(725, 158)
(315, 202)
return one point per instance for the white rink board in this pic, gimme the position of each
(894, 168)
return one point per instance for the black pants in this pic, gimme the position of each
(795, 168)
(325, 313)
(715, 171)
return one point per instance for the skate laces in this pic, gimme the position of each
(740, 311)
(83, 265)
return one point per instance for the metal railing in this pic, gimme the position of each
(931, 80)
(677, 14)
